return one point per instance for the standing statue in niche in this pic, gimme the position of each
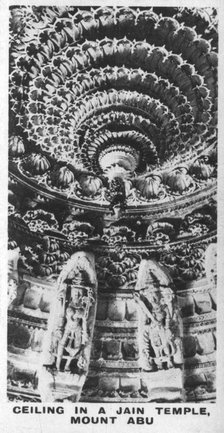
(72, 318)
(12, 290)
(160, 327)
(75, 334)
(13, 275)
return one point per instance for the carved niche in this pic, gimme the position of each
(160, 328)
(67, 345)
(13, 276)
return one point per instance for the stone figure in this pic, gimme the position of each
(12, 290)
(13, 276)
(69, 334)
(13, 258)
(75, 334)
(160, 328)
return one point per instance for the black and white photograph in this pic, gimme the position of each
(112, 216)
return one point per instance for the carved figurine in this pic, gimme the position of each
(68, 329)
(13, 276)
(75, 334)
(160, 326)
(12, 290)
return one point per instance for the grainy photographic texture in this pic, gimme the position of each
(112, 204)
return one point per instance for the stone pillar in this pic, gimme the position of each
(114, 367)
(116, 372)
(197, 302)
(27, 324)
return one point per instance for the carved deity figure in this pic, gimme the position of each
(68, 327)
(13, 276)
(12, 290)
(160, 329)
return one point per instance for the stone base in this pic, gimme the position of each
(164, 385)
(59, 386)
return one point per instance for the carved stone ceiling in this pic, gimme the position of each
(114, 93)
(112, 149)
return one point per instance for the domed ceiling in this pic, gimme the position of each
(107, 99)
(112, 151)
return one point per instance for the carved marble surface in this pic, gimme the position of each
(67, 343)
(112, 151)
(111, 106)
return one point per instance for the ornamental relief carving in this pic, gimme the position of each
(112, 149)
(71, 321)
(160, 325)
(116, 268)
